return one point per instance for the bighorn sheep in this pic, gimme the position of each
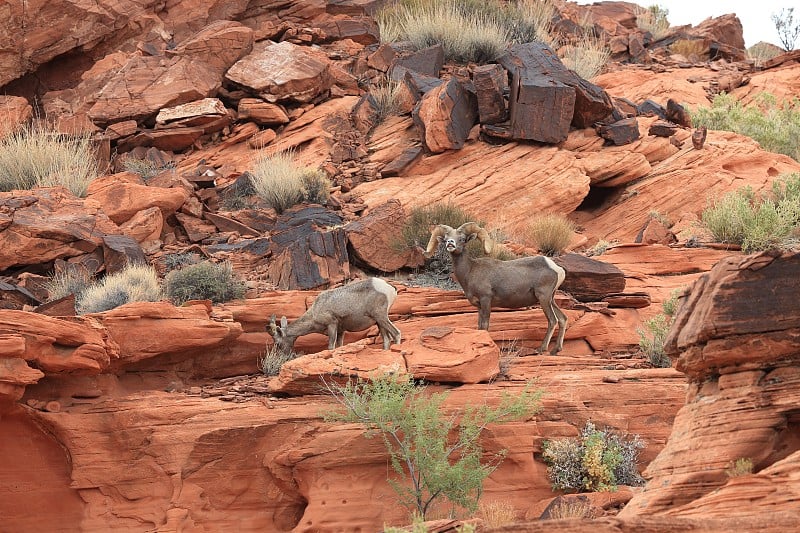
(490, 282)
(352, 307)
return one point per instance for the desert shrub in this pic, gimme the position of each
(760, 52)
(430, 464)
(68, 281)
(757, 222)
(551, 233)
(654, 20)
(775, 126)
(282, 183)
(203, 281)
(653, 335)
(34, 156)
(146, 168)
(587, 56)
(134, 283)
(740, 467)
(788, 29)
(596, 460)
(600, 247)
(178, 260)
(273, 359)
(691, 49)
(416, 230)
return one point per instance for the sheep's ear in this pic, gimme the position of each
(284, 323)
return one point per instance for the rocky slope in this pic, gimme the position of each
(156, 417)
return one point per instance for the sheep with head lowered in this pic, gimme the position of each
(352, 307)
(490, 282)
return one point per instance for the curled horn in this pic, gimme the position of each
(473, 228)
(436, 232)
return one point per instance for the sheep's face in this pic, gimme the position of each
(454, 241)
(283, 341)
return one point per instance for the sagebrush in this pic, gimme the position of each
(551, 233)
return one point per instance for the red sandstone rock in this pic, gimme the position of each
(122, 196)
(377, 241)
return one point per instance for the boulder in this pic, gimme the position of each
(621, 132)
(376, 239)
(590, 280)
(124, 195)
(120, 251)
(15, 112)
(44, 224)
(445, 115)
(490, 83)
(427, 61)
(261, 112)
(279, 72)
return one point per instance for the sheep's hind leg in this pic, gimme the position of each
(562, 329)
(547, 307)
(389, 332)
(333, 336)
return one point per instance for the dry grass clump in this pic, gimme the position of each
(587, 57)
(740, 467)
(654, 20)
(281, 183)
(35, 156)
(551, 233)
(574, 507)
(388, 95)
(497, 514)
(134, 283)
(273, 359)
(71, 280)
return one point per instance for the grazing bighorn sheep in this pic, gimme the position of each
(490, 282)
(352, 307)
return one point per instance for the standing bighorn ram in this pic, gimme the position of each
(490, 282)
(352, 307)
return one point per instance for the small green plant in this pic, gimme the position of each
(654, 334)
(430, 464)
(203, 281)
(134, 283)
(71, 280)
(587, 56)
(551, 233)
(654, 20)
(273, 359)
(282, 183)
(775, 126)
(740, 467)
(146, 168)
(597, 460)
(35, 156)
(757, 222)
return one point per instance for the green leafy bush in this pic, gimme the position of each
(551, 233)
(281, 182)
(775, 127)
(37, 157)
(757, 222)
(203, 281)
(134, 283)
(654, 334)
(597, 460)
(430, 464)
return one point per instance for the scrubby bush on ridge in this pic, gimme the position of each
(281, 182)
(203, 281)
(134, 283)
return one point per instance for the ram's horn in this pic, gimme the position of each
(474, 228)
(436, 232)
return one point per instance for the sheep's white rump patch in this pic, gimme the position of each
(557, 269)
(383, 287)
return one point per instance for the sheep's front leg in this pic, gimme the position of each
(485, 309)
(333, 336)
(340, 337)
